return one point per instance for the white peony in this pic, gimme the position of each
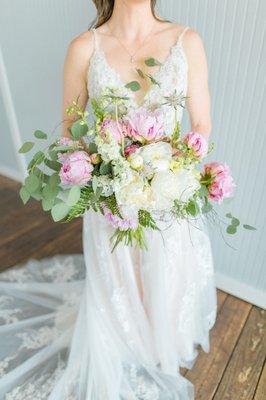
(168, 186)
(135, 194)
(156, 157)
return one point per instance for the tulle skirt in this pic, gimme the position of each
(108, 325)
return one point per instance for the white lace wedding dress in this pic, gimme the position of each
(111, 326)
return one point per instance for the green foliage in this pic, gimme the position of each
(175, 137)
(73, 196)
(133, 85)
(86, 201)
(231, 229)
(32, 183)
(129, 238)
(192, 208)
(105, 168)
(40, 135)
(92, 148)
(24, 194)
(79, 129)
(249, 227)
(26, 147)
(146, 220)
(54, 165)
(60, 211)
(141, 73)
(152, 62)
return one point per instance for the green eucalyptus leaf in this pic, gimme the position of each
(50, 192)
(229, 215)
(207, 207)
(133, 85)
(235, 221)
(24, 194)
(92, 148)
(40, 135)
(47, 204)
(231, 229)
(73, 196)
(59, 211)
(249, 227)
(54, 180)
(26, 147)
(32, 183)
(78, 129)
(192, 208)
(152, 62)
(94, 183)
(54, 165)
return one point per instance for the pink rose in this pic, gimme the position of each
(143, 124)
(197, 143)
(221, 185)
(114, 128)
(76, 169)
(131, 149)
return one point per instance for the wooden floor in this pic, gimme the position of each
(234, 369)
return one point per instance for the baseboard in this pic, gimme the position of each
(241, 290)
(11, 173)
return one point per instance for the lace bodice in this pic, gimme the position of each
(171, 76)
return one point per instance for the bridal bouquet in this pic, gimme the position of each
(127, 168)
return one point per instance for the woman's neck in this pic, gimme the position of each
(131, 20)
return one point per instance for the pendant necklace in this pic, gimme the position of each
(131, 55)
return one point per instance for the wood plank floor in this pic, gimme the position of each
(234, 369)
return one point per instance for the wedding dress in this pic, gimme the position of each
(111, 326)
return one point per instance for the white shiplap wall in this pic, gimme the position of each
(34, 35)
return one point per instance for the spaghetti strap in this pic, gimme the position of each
(182, 34)
(96, 43)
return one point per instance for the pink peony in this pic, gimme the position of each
(76, 169)
(143, 124)
(222, 185)
(114, 128)
(197, 143)
(131, 149)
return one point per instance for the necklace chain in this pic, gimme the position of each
(132, 55)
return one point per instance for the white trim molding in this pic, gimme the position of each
(12, 120)
(11, 173)
(241, 290)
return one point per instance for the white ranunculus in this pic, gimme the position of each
(156, 157)
(168, 186)
(136, 161)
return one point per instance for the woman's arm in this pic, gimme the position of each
(75, 75)
(198, 103)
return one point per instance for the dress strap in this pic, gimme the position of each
(180, 37)
(96, 41)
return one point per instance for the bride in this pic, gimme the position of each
(123, 330)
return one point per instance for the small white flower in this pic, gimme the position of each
(106, 184)
(136, 161)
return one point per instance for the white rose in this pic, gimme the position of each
(134, 194)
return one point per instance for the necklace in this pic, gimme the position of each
(131, 55)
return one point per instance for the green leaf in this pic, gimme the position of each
(141, 73)
(54, 165)
(153, 81)
(235, 221)
(231, 229)
(92, 148)
(24, 194)
(40, 135)
(54, 180)
(59, 211)
(78, 129)
(26, 147)
(207, 207)
(94, 184)
(50, 192)
(203, 191)
(152, 62)
(73, 196)
(229, 215)
(47, 204)
(133, 85)
(105, 168)
(192, 208)
(32, 183)
(249, 227)
(37, 159)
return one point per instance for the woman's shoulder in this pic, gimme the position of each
(82, 45)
